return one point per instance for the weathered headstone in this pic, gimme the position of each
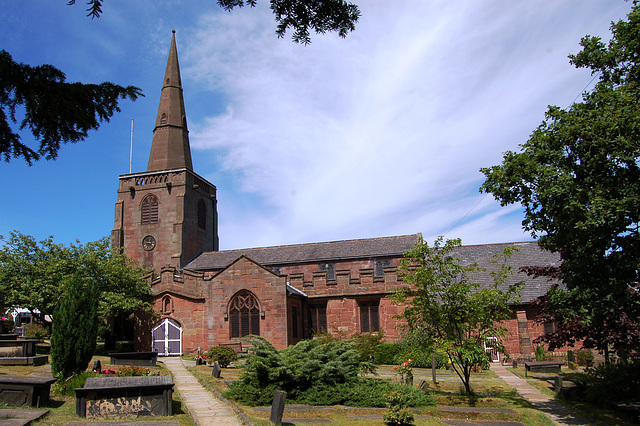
(424, 386)
(515, 363)
(558, 385)
(277, 407)
(433, 369)
(215, 373)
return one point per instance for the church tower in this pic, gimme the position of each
(168, 214)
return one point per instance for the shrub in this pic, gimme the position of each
(610, 383)
(132, 370)
(422, 358)
(584, 357)
(36, 331)
(366, 344)
(225, 355)
(398, 413)
(297, 368)
(356, 392)
(540, 353)
(386, 352)
(66, 386)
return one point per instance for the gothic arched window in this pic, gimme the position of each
(244, 314)
(149, 210)
(202, 215)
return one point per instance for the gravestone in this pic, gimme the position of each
(433, 369)
(277, 407)
(424, 386)
(97, 365)
(215, 373)
(558, 385)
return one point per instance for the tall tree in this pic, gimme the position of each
(578, 179)
(54, 110)
(75, 326)
(445, 304)
(31, 274)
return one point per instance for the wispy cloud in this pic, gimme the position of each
(384, 132)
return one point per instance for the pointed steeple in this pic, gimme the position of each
(170, 146)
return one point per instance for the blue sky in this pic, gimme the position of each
(382, 133)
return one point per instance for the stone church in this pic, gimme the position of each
(166, 219)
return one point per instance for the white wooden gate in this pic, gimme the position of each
(489, 346)
(167, 338)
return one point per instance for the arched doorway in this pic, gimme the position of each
(167, 338)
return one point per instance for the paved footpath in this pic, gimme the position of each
(205, 409)
(557, 412)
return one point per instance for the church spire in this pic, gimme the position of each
(170, 145)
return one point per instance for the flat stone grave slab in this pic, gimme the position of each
(11, 417)
(140, 359)
(479, 423)
(543, 367)
(25, 391)
(448, 409)
(125, 396)
(148, 423)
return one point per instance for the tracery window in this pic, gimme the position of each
(244, 314)
(149, 210)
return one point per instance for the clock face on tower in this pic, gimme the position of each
(148, 243)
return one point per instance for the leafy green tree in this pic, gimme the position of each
(75, 327)
(31, 274)
(578, 179)
(446, 306)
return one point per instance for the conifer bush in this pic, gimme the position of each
(75, 328)
(316, 372)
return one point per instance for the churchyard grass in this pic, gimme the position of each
(490, 392)
(62, 409)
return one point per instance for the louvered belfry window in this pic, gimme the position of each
(244, 314)
(149, 213)
(202, 215)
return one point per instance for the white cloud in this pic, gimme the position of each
(384, 132)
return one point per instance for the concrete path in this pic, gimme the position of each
(205, 409)
(557, 412)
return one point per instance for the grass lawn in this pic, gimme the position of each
(62, 409)
(491, 392)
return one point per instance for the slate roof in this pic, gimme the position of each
(308, 253)
(527, 254)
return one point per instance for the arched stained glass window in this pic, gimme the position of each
(244, 314)
(149, 210)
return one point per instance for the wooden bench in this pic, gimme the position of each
(542, 367)
(140, 359)
(125, 396)
(25, 391)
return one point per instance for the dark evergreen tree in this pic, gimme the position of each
(75, 327)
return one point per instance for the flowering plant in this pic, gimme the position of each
(405, 371)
